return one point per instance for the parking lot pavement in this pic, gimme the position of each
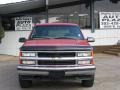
(107, 76)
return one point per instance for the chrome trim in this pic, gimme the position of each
(57, 58)
(55, 51)
(85, 72)
(51, 65)
(32, 72)
(67, 73)
(56, 68)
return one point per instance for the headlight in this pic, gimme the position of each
(84, 54)
(27, 54)
(84, 62)
(28, 62)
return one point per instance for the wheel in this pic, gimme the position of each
(25, 83)
(88, 83)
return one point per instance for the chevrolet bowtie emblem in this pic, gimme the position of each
(56, 58)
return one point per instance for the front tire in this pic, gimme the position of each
(25, 83)
(88, 83)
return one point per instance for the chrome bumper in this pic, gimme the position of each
(83, 70)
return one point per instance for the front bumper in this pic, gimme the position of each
(44, 71)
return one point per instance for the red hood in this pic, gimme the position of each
(56, 42)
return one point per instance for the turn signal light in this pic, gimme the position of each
(92, 62)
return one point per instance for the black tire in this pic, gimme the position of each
(88, 83)
(25, 83)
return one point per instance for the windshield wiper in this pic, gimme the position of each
(42, 38)
(54, 38)
(65, 38)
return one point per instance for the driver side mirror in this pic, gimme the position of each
(90, 39)
(22, 39)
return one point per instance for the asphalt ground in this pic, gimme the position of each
(107, 76)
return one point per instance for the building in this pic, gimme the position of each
(97, 18)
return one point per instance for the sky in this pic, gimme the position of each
(10, 1)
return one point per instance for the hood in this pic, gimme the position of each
(56, 42)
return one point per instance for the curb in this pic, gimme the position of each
(8, 58)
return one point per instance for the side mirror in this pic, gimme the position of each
(91, 39)
(22, 39)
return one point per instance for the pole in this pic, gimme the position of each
(92, 16)
(0, 30)
(46, 8)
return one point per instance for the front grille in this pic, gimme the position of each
(53, 62)
(56, 54)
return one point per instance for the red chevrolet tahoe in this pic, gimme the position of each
(56, 51)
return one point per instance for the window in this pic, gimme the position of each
(8, 24)
(79, 14)
(105, 6)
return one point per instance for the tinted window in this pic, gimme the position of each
(57, 32)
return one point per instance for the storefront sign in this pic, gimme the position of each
(23, 23)
(109, 20)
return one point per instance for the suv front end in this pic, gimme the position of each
(56, 65)
(65, 59)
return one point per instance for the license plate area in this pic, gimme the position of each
(56, 74)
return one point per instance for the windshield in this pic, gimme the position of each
(56, 32)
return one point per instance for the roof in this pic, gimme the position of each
(26, 5)
(20, 6)
(32, 5)
(57, 24)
